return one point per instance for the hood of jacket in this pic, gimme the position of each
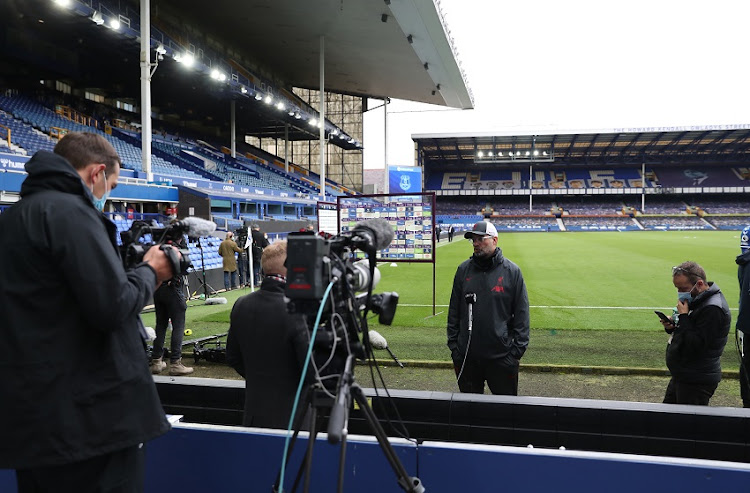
(713, 289)
(48, 171)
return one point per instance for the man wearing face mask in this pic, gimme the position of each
(488, 336)
(697, 338)
(78, 398)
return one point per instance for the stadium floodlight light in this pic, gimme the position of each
(480, 154)
(290, 112)
(536, 153)
(280, 106)
(222, 77)
(343, 136)
(518, 153)
(528, 153)
(352, 141)
(268, 99)
(544, 153)
(115, 24)
(243, 89)
(490, 154)
(98, 18)
(63, 3)
(314, 122)
(161, 50)
(188, 60)
(335, 131)
(258, 96)
(297, 115)
(215, 74)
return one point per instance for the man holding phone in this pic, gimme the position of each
(698, 337)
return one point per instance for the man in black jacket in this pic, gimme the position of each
(267, 346)
(698, 338)
(259, 243)
(78, 400)
(743, 317)
(489, 344)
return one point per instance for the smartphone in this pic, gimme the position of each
(663, 317)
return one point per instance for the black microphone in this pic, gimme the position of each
(373, 234)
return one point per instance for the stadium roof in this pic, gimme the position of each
(367, 53)
(711, 145)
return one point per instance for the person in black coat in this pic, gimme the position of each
(259, 243)
(78, 400)
(698, 337)
(743, 317)
(266, 346)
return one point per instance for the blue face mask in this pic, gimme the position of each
(99, 203)
(687, 296)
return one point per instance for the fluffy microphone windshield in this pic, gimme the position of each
(380, 229)
(198, 227)
(376, 340)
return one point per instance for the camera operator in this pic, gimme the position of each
(267, 346)
(78, 398)
(698, 338)
(169, 303)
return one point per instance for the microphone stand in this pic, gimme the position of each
(204, 284)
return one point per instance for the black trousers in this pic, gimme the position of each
(169, 303)
(502, 380)
(118, 472)
(745, 380)
(689, 393)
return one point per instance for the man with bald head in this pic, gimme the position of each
(267, 346)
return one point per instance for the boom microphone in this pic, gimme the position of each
(197, 227)
(373, 234)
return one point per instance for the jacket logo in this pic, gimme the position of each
(498, 288)
(468, 279)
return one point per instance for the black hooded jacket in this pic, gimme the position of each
(694, 354)
(743, 275)
(501, 313)
(74, 379)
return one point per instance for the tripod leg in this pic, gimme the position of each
(307, 404)
(407, 483)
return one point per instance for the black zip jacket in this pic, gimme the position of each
(74, 379)
(694, 354)
(743, 275)
(501, 312)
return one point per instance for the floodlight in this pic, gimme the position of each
(215, 74)
(97, 18)
(500, 154)
(114, 24)
(314, 122)
(258, 96)
(222, 77)
(528, 153)
(343, 136)
(243, 90)
(518, 153)
(161, 50)
(297, 115)
(335, 131)
(490, 154)
(188, 60)
(290, 112)
(352, 141)
(544, 153)
(480, 154)
(268, 99)
(536, 153)
(63, 3)
(279, 105)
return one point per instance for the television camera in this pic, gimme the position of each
(135, 244)
(314, 262)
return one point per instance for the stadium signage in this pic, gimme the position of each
(685, 128)
(14, 162)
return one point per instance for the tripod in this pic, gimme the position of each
(338, 431)
(203, 282)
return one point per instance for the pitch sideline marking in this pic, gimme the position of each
(570, 307)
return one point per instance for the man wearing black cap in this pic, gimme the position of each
(488, 317)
